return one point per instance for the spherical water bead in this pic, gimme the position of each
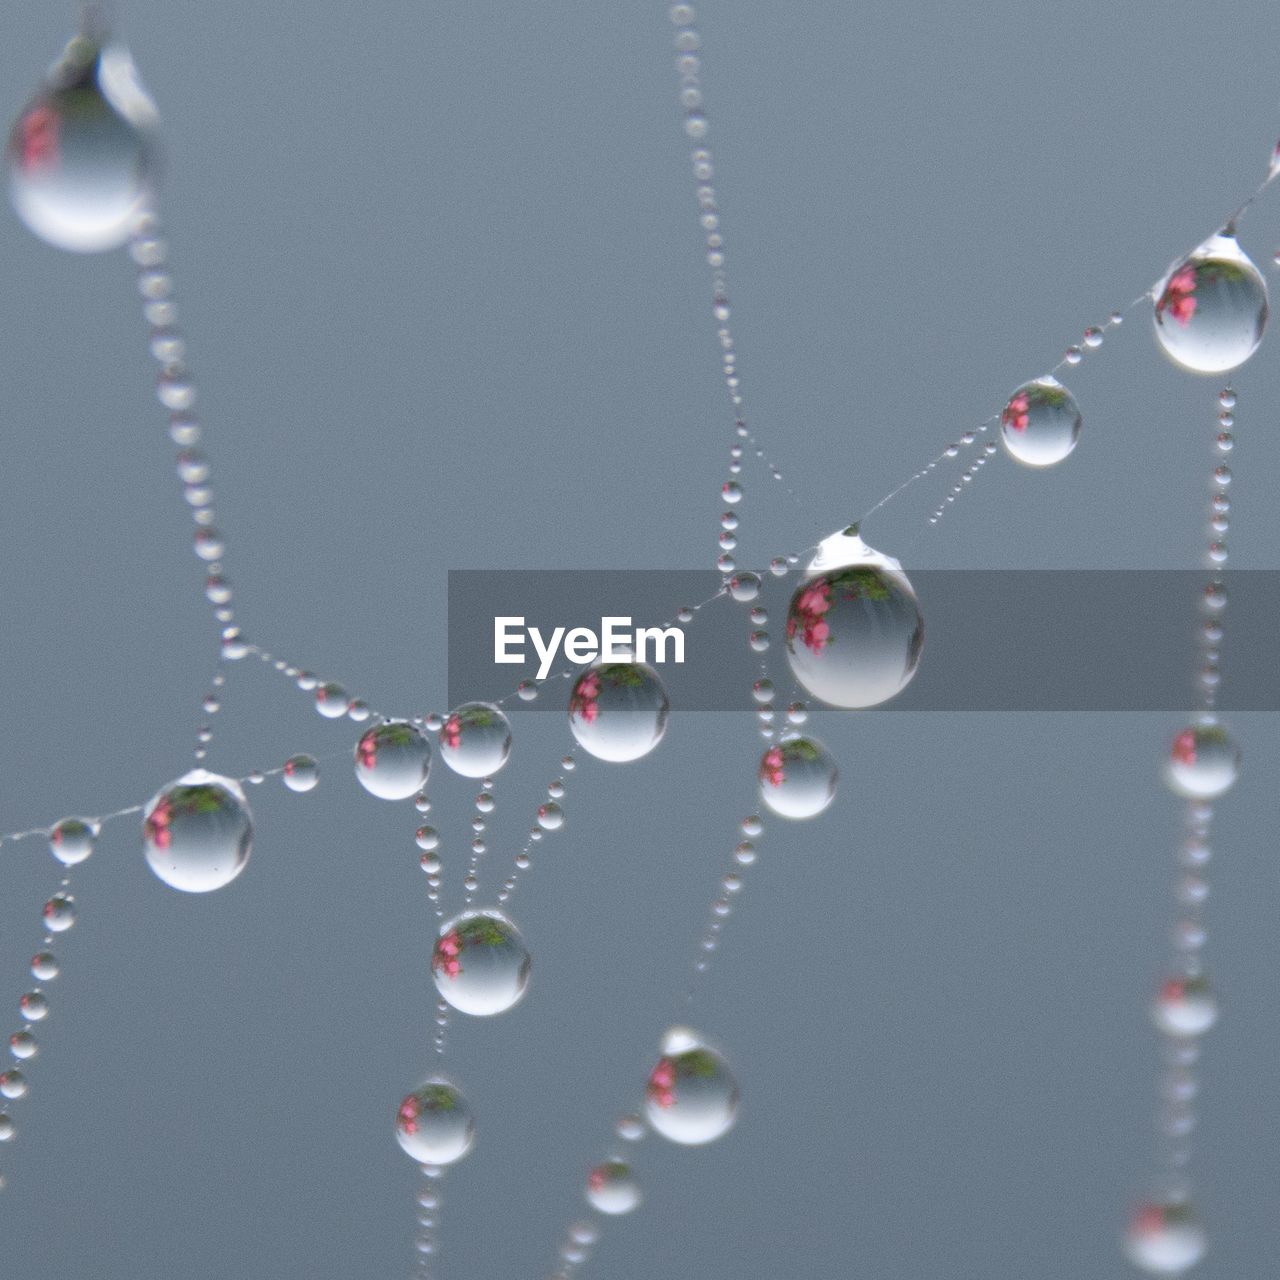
(475, 740)
(1165, 1238)
(71, 840)
(434, 1125)
(393, 760)
(22, 1044)
(550, 816)
(1185, 1007)
(13, 1084)
(1040, 425)
(198, 832)
(480, 963)
(612, 1188)
(7, 1127)
(744, 587)
(854, 630)
(797, 778)
(1212, 308)
(427, 838)
(34, 1006)
(1203, 763)
(301, 773)
(618, 711)
(59, 913)
(691, 1096)
(332, 700)
(44, 966)
(82, 155)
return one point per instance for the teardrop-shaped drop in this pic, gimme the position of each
(82, 156)
(1211, 309)
(854, 630)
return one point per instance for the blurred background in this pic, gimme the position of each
(441, 279)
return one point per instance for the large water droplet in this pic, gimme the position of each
(1211, 309)
(1041, 423)
(691, 1096)
(797, 778)
(1185, 1007)
(301, 773)
(1203, 762)
(612, 1188)
(82, 155)
(854, 630)
(475, 740)
(480, 963)
(393, 760)
(434, 1125)
(198, 832)
(1165, 1238)
(618, 710)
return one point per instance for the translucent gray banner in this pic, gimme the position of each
(995, 640)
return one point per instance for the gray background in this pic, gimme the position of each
(440, 275)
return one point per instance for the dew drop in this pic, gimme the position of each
(301, 773)
(475, 739)
(480, 963)
(34, 1006)
(1185, 1007)
(71, 840)
(59, 913)
(1211, 309)
(1165, 1238)
(81, 156)
(44, 966)
(550, 816)
(332, 700)
(393, 760)
(618, 711)
(1203, 762)
(434, 1125)
(797, 778)
(1041, 423)
(854, 630)
(198, 832)
(612, 1188)
(691, 1096)
(13, 1084)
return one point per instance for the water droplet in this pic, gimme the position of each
(198, 832)
(1041, 423)
(480, 963)
(81, 157)
(13, 1084)
(434, 1125)
(393, 760)
(1185, 1007)
(71, 840)
(550, 816)
(1211, 309)
(301, 773)
(744, 587)
(797, 778)
(475, 739)
(34, 1006)
(691, 1096)
(332, 700)
(731, 491)
(854, 631)
(7, 1128)
(612, 1188)
(427, 838)
(1165, 1238)
(59, 913)
(44, 966)
(618, 710)
(1203, 762)
(22, 1044)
